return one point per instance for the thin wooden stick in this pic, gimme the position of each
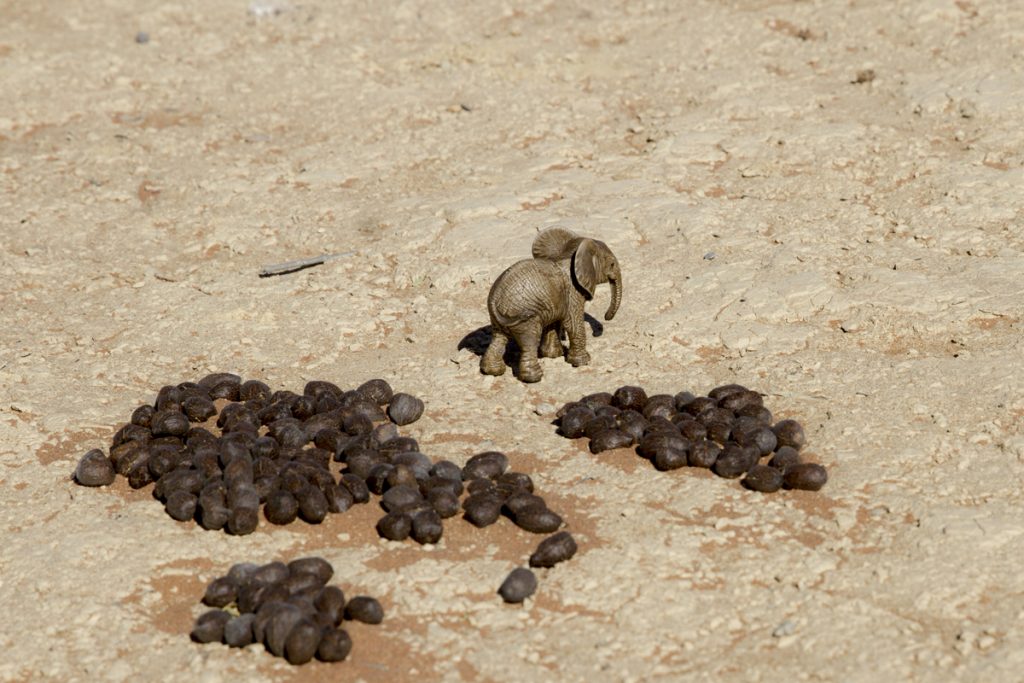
(299, 264)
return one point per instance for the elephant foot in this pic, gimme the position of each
(530, 372)
(578, 359)
(552, 350)
(490, 368)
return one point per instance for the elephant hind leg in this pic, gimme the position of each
(551, 347)
(492, 362)
(528, 338)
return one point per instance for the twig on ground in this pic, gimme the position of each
(299, 264)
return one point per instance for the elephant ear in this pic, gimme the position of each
(584, 267)
(555, 244)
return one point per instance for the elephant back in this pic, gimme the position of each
(530, 289)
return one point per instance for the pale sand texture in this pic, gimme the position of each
(867, 276)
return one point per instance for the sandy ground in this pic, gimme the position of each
(821, 200)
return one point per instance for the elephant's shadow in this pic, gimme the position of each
(479, 339)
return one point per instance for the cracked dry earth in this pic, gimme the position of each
(820, 200)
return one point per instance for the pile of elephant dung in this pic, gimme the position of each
(287, 607)
(729, 431)
(274, 449)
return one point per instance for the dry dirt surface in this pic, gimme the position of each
(820, 200)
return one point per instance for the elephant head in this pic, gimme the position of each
(592, 262)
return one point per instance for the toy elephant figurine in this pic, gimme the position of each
(535, 300)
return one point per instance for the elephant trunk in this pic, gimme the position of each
(615, 280)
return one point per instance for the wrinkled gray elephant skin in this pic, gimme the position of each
(536, 300)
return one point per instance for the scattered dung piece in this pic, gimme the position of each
(554, 549)
(95, 469)
(520, 584)
(763, 478)
(537, 519)
(727, 431)
(807, 476)
(365, 609)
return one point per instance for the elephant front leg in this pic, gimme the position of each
(528, 339)
(492, 362)
(551, 347)
(576, 328)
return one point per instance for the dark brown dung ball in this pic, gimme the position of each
(487, 465)
(784, 457)
(630, 397)
(281, 507)
(554, 549)
(426, 527)
(181, 505)
(404, 409)
(376, 390)
(365, 609)
(317, 566)
(331, 602)
(573, 422)
(807, 476)
(518, 585)
(609, 439)
(238, 631)
(735, 460)
(302, 642)
(335, 646)
(537, 519)
(395, 526)
(95, 469)
(482, 509)
(209, 627)
(790, 433)
(763, 478)
(221, 592)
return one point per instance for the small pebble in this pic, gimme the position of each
(520, 584)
